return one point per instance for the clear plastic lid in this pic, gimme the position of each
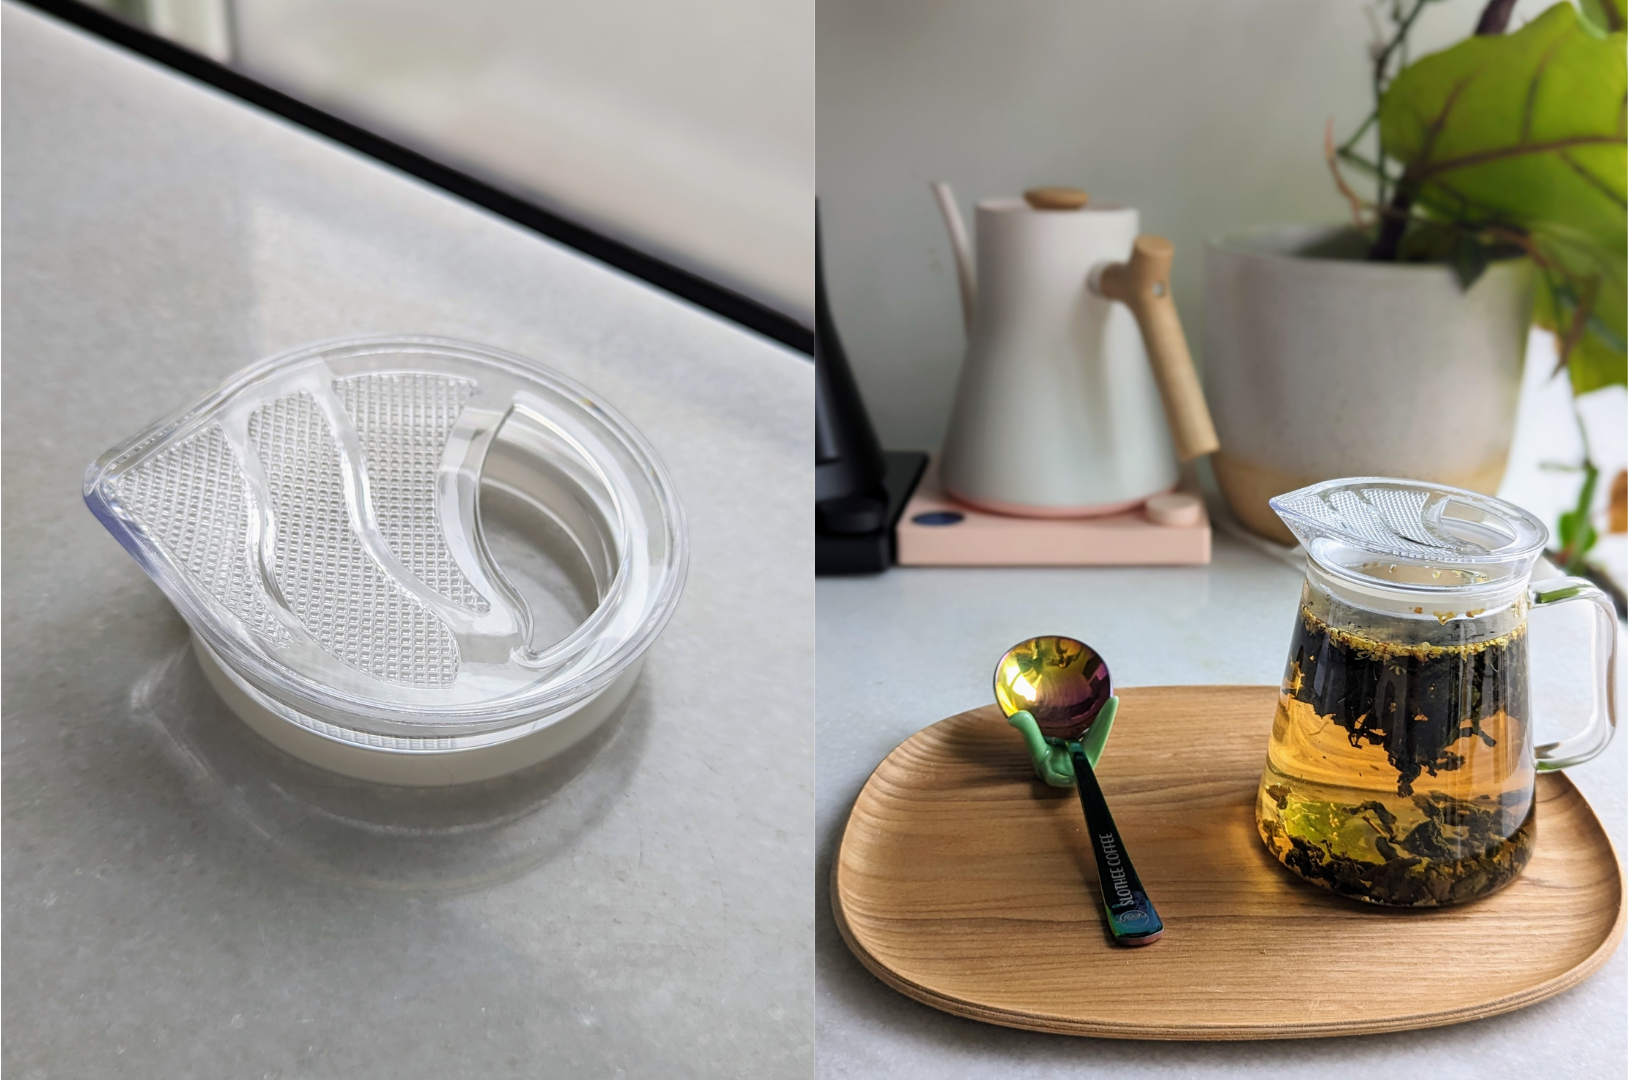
(386, 537)
(1410, 536)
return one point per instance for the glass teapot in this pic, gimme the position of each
(1401, 765)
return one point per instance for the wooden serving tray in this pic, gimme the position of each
(965, 883)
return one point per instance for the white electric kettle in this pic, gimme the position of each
(1061, 410)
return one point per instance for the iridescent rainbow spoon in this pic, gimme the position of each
(1063, 685)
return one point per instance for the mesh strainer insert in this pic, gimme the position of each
(318, 521)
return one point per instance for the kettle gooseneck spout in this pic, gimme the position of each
(961, 247)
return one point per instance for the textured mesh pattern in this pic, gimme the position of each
(339, 593)
(403, 422)
(193, 500)
(1381, 518)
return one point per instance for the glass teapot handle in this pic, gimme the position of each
(1584, 745)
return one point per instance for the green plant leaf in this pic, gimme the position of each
(1529, 131)
(1577, 533)
(1605, 15)
(1469, 260)
(1600, 357)
(1594, 366)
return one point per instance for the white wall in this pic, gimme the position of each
(1204, 114)
(686, 128)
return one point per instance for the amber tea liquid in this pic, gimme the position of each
(1400, 771)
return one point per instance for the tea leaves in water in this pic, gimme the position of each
(1417, 701)
(1359, 723)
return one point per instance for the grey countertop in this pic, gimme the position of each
(1228, 622)
(181, 900)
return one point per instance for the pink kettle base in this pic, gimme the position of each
(937, 529)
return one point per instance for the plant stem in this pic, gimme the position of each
(1384, 58)
(1582, 433)
(1382, 62)
(1346, 147)
(1494, 18)
(1583, 535)
(1392, 224)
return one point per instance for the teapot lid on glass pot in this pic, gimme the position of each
(1415, 544)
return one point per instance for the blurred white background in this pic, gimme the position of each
(685, 128)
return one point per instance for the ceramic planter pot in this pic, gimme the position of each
(1320, 365)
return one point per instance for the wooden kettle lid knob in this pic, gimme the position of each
(1056, 198)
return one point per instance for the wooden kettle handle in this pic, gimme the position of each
(1143, 285)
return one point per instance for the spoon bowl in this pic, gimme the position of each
(1059, 681)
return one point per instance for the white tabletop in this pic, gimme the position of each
(182, 902)
(899, 652)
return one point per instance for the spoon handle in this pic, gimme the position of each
(1130, 913)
